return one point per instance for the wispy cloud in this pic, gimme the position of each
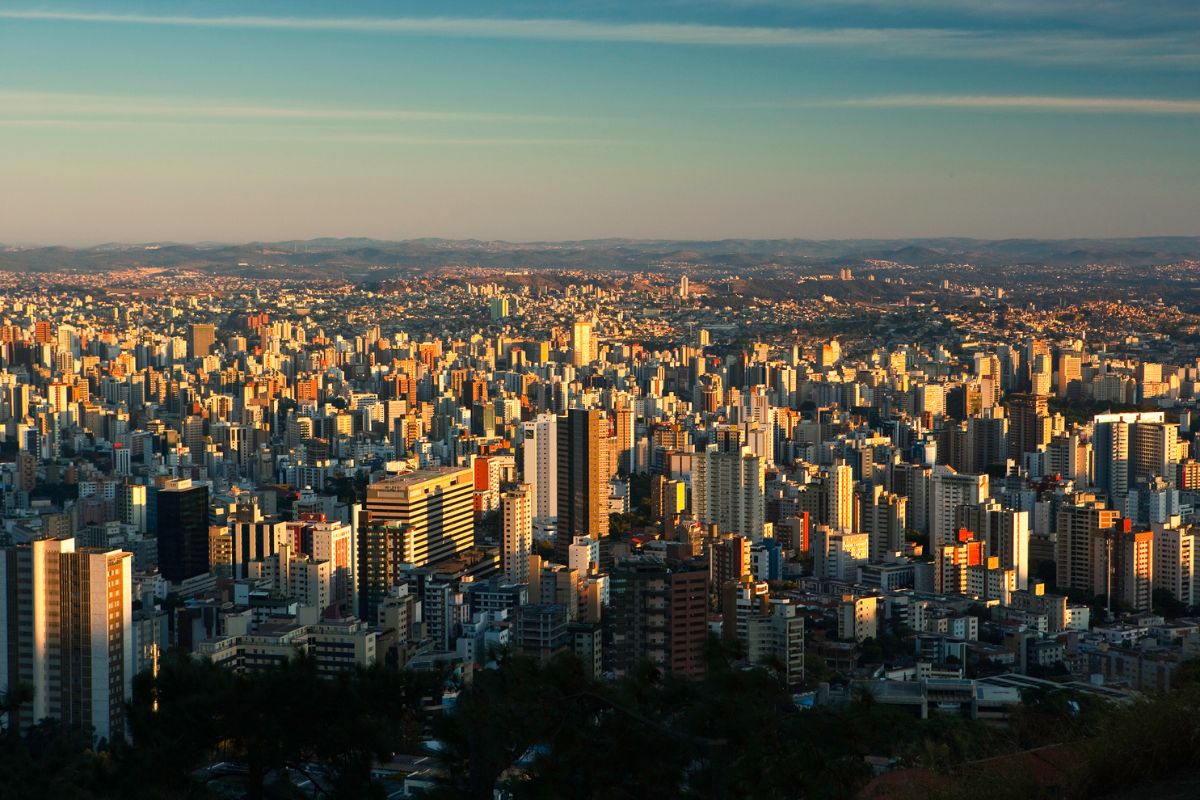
(1177, 49)
(1094, 105)
(85, 112)
(46, 103)
(389, 139)
(1137, 10)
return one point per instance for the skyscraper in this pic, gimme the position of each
(436, 505)
(182, 515)
(948, 491)
(659, 612)
(582, 348)
(201, 338)
(582, 478)
(383, 546)
(1175, 560)
(1005, 532)
(516, 531)
(1129, 446)
(1082, 529)
(883, 516)
(839, 495)
(728, 491)
(1028, 425)
(539, 463)
(66, 631)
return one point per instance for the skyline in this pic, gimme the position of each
(664, 120)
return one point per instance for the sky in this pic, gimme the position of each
(537, 120)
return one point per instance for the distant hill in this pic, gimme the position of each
(358, 258)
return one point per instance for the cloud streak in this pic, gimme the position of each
(1091, 105)
(1177, 49)
(99, 105)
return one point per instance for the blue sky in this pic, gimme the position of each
(535, 120)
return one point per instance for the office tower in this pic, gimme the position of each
(1126, 446)
(539, 464)
(729, 491)
(254, 539)
(623, 429)
(1082, 529)
(948, 491)
(516, 529)
(18, 401)
(931, 399)
(182, 525)
(1132, 569)
(1070, 374)
(131, 506)
(582, 478)
(883, 516)
(1175, 560)
(659, 613)
(201, 338)
(1154, 451)
(839, 495)
(384, 546)
(987, 441)
(582, 352)
(435, 504)
(1028, 425)
(913, 481)
(66, 632)
(1004, 530)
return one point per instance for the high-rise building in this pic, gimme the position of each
(516, 531)
(1082, 529)
(254, 537)
(582, 347)
(201, 337)
(1004, 530)
(583, 445)
(659, 613)
(954, 561)
(384, 546)
(182, 524)
(1154, 451)
(623, 438)
(539, 463)
(838, 554)
(1175, 560)
(131, 506)
(948, 491)
(839, 494)
(883, 516)
(1070, 374)
(335, 543)
(728, 490)
(1130, 445)
(1132, 569)
(1029, 423)
(66, 631)
(435, 504)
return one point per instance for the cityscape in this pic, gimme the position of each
(706, 479)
